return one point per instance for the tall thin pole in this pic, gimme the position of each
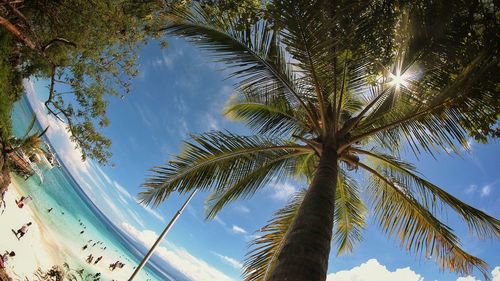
(162, 235)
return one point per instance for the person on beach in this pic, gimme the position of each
(98, 260)
(90, 258)
(113, 265)
(23, 201)
(49, 210)
(22, 231)
(5, 257)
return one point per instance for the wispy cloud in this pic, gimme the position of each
(152, 212)
(228, 260)
(471, 189)
(136, 218)
(486, 190)
(238, 230)
(210, 122)
(122, 190)
(282, 191)
(220, 221)
(242, 209)
(179, 258)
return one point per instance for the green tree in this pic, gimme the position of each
(332, 90)
(29, 143)
(88, 51)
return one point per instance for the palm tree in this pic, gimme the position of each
(10, 145)
(325, 103)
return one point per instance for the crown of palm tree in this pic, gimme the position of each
(308, 82)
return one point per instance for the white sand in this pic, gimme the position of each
(41, 247)
(34, 250)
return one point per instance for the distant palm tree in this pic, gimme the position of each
(324, 107)
(29, 143)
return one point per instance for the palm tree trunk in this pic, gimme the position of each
(305, 252)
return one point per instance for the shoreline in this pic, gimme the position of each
(35, 249)
(44, 246)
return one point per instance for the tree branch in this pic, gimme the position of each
(12, 29)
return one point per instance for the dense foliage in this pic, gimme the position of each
(87, 49)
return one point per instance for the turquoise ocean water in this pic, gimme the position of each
(71, 207)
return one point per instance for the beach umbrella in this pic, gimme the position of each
(162, 235)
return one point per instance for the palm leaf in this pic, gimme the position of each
(273, 171)
(434, 120)
(349, 216)
(479, 222)
(213, 160)
(401, 215)
(253, 54)
(261, 259)
(271, 115)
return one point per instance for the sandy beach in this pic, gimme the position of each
(43, 247)
(35, 249)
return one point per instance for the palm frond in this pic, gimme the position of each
(267, 114)
(434, 120)
(479, 222)
(349, 216)
(303, 32)
(273, 171)
(306, 166)
(214, 161)
(261, 259)
(30, 127)
(401, 215)
(253, 54)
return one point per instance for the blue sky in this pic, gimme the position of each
(179, 92)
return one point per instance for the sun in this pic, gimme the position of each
(398, 79)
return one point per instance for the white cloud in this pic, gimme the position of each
(152, 212)
(486, 190)
(146, 237)
(219, 221)
(103, 174)
(471, 189)
(238, 230)
(112, 206)
(372, 270)
(134, 215)
(242, 209)
(496, 274)
(210, 122)
(282, 191)
(179, 258)
(165, 60)
(467, 278)
(230, 261)
(250, 237)
(122, 189)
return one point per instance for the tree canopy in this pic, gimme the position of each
(88, 50)
(333, 88)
